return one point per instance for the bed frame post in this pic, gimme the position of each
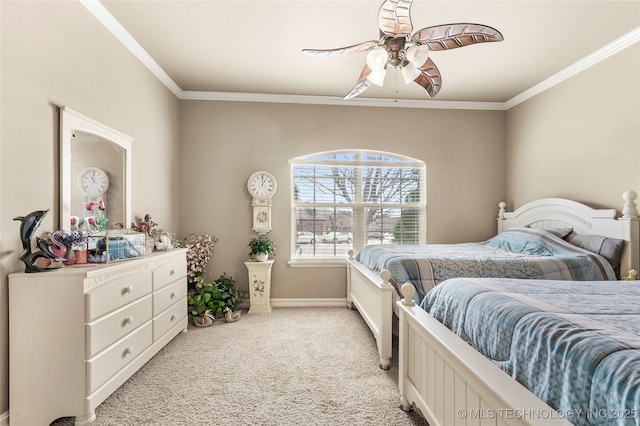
(386, 320)
(501, 210)
(407, 291)
(351, 254)
(631, 226)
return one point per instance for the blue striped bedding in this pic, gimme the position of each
(526, 253)
(576, 345)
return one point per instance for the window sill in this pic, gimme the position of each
(318, 263)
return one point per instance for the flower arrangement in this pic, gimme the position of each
(69, 239)
(261, 244)
(199, 252)
(94, 215)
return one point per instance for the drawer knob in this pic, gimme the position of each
(173, 294)
(127, 289)
(128, 350)
(127, 320)
(173, 317)
(172, 272)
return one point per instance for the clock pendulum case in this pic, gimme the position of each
(262, 185)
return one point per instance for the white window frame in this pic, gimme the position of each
(359, 238)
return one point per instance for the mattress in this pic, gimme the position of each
(525, 253)
(576, 345)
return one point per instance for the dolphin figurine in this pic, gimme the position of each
(46, 248)
(28, 227)
(30, 223)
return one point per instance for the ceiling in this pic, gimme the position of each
(252, 49)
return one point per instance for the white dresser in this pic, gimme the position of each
(77, 334)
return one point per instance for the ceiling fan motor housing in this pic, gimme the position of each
(395, 47)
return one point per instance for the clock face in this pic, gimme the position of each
(262, 185)
(93, 182)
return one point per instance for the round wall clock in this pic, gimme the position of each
(93, 182)
(262, 185)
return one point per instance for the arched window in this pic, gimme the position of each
(347, 199)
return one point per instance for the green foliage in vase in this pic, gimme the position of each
(261, 244)
(214, 296)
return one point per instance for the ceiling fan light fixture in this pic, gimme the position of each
(377, 58)
(417, 54)
(409, 72)
(377, 77)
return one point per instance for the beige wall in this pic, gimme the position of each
(56, 53)
(222, 143)
(191, 159)
(580, 139)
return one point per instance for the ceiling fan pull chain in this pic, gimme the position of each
(395, 83)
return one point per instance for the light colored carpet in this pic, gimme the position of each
(295, 366)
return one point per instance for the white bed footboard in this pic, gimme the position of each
(372, 295)
(452, 384)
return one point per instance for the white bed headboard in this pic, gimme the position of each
(562, 213)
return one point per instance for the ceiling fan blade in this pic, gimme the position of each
(356, 48)
(362, 84)
(452, 36)
(429, 78)
(394, 18)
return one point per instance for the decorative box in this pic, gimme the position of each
(115, 245)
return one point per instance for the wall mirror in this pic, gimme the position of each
(95, 171)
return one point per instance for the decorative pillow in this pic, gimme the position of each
(609, 248)
(558, 232)
(520, 240)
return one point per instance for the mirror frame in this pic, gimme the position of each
(70, 121)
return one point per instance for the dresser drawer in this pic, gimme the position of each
(117, 293)
(169, 318)
(169, 295)
(109, 362)
(113, 327)
(174, 268)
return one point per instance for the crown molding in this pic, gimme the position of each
(103, 15)
(107, 19)
(599, 55)
(337, 101)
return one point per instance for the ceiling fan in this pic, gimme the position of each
(408, 52)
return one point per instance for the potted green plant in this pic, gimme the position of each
(211, 299)
(261, 247)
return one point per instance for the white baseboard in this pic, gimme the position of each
(309, 303)
(300, 303)
(4, 418)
